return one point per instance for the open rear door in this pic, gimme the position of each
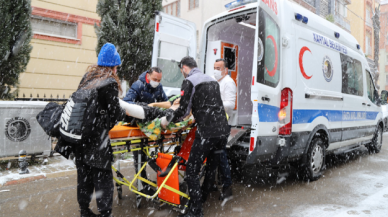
(174, 39)
(266, 91)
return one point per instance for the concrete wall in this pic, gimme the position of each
(57, 64)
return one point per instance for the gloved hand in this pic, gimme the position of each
(164, 122)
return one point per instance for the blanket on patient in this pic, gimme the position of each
(153, 129)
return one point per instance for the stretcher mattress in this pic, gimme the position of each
(125, 131)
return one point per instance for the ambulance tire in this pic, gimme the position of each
(314, 164)
(377, 142)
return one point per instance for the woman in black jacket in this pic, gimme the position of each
(94, 156)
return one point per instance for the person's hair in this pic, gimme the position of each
(189, 62)
(95, 74)
(223, 60)
(154, 69)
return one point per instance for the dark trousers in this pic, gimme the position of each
(209, 148)
(101, 181)
(224, 168)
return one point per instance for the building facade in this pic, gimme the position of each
(383, 55)
(64, 45)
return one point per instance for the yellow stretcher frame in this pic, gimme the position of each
(124, 181)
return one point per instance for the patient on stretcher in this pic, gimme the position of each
(148, 118)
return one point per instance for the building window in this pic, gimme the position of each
(173, 9)
(368, 47)
(53, 27)
(193, 4)
(341, 8)
(386, 38)
(368, 16)
(310, 2)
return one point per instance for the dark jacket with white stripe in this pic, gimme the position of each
(201, 94)
(96, 150)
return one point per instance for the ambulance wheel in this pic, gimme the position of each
(377, 142)
(120, 192)
(315, 160)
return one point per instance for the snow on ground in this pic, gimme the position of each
(55, 165)
(368, 195)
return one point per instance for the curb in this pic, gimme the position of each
(60, 174)
(34, 178)
(25, 180)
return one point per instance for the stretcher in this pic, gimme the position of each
(165, 162)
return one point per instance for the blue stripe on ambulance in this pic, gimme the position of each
(268, 113)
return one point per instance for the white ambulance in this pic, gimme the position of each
(304, 87)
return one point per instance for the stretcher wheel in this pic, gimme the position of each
(120, 192)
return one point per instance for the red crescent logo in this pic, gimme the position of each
(273, 72)
(301, 53)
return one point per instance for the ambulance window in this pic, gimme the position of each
(169, 55)
(370, 87)
(268, 68)
(352, 82)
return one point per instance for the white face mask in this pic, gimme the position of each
(217, 74)
(154, 84)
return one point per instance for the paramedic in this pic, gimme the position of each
(228, 96)
(146, 90)
(201, 94)
(94, 156)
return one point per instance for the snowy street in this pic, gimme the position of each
(355, 186)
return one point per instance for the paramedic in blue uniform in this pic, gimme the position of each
(200, 94)
(144, 91)
(228, 96)
(148, 88)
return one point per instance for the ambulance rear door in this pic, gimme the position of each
(266, 79)
(174, 39)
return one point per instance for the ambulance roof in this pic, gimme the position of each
(315, 22)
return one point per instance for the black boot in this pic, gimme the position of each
(87, 213)
(106, 214)
(192, 213)
(226, 193)
(214, 188)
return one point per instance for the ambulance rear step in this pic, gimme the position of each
(236, 133)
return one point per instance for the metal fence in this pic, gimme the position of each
(44, 99)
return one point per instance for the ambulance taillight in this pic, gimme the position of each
(285, 113)
(252, 144)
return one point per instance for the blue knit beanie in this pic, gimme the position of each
(108, 56)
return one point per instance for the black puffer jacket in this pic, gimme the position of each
(201, 94)
(96, 150)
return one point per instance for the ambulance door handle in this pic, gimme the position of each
(265, 98)
(368, 105)
(363, 103)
